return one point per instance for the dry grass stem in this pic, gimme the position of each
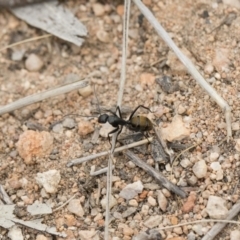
(188, 64)
(26, 41)
(156, 174)
(23, 102)
(199, 221)
(64, 204)
(127, 4)
(101, 171)
(4, 196)
(77, 161)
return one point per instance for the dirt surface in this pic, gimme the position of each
(208, 31)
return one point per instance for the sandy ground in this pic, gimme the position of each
(207, 31)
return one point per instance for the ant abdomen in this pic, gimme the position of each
(140, 124)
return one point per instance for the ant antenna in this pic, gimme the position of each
(98, 105)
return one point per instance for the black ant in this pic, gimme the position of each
(134, 123)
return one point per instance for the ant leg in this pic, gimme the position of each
(113, 131)
(146, 136)
(120, 113)
(137, 109)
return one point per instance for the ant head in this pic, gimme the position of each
(103, 118)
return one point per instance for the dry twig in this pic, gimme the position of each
(4, 196)
(157, 175)
(101, 154)
(23, 102)
(127, 4)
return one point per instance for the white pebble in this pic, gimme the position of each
(49, 180)
(214, 156)
(200, 169)
(152, 201)
(33, 63)
(98, 9)
(216, 207)
(131, 190)
(185, 163)
(215, 166)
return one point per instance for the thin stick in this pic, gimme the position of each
(25, 41)
(127, 4)
(188, 64)
(216, 229)
(64, 204)
(23, 102)
(156, 174)
(198, 221)
(101, 171)
(77, 161)
(4, 196)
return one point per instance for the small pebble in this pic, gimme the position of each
(14, 182)
(191, 236)
(15, 233)
(213, 156)
(33, 63)
(152, 201)
(49, 180)
(58, 128)
(120, 10)
(208, 69)
(176, 130)
(85, 127)
(153, 221)
(75, 207)
(237, 146)
(181, 109)
(34, 144)
(69, 123)
(131, 190)
(98, 9)
(197, 228)
(113, 202)
(18, 55)
(215, 166)
(41, 237)
(133, 203)
(190, 203)
(200, 169)
(103, 36)
(147, 79)
(144, 210)
(86, 91)
(185, 163)
(174, 220)
(128, 231)
(85, 234)
(129, 212)
(162, 201)
(178, 230)
(192, 180)
(216, 207)
(221, 59)
(219, 175)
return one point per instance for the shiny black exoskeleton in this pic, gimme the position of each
(134, 123)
